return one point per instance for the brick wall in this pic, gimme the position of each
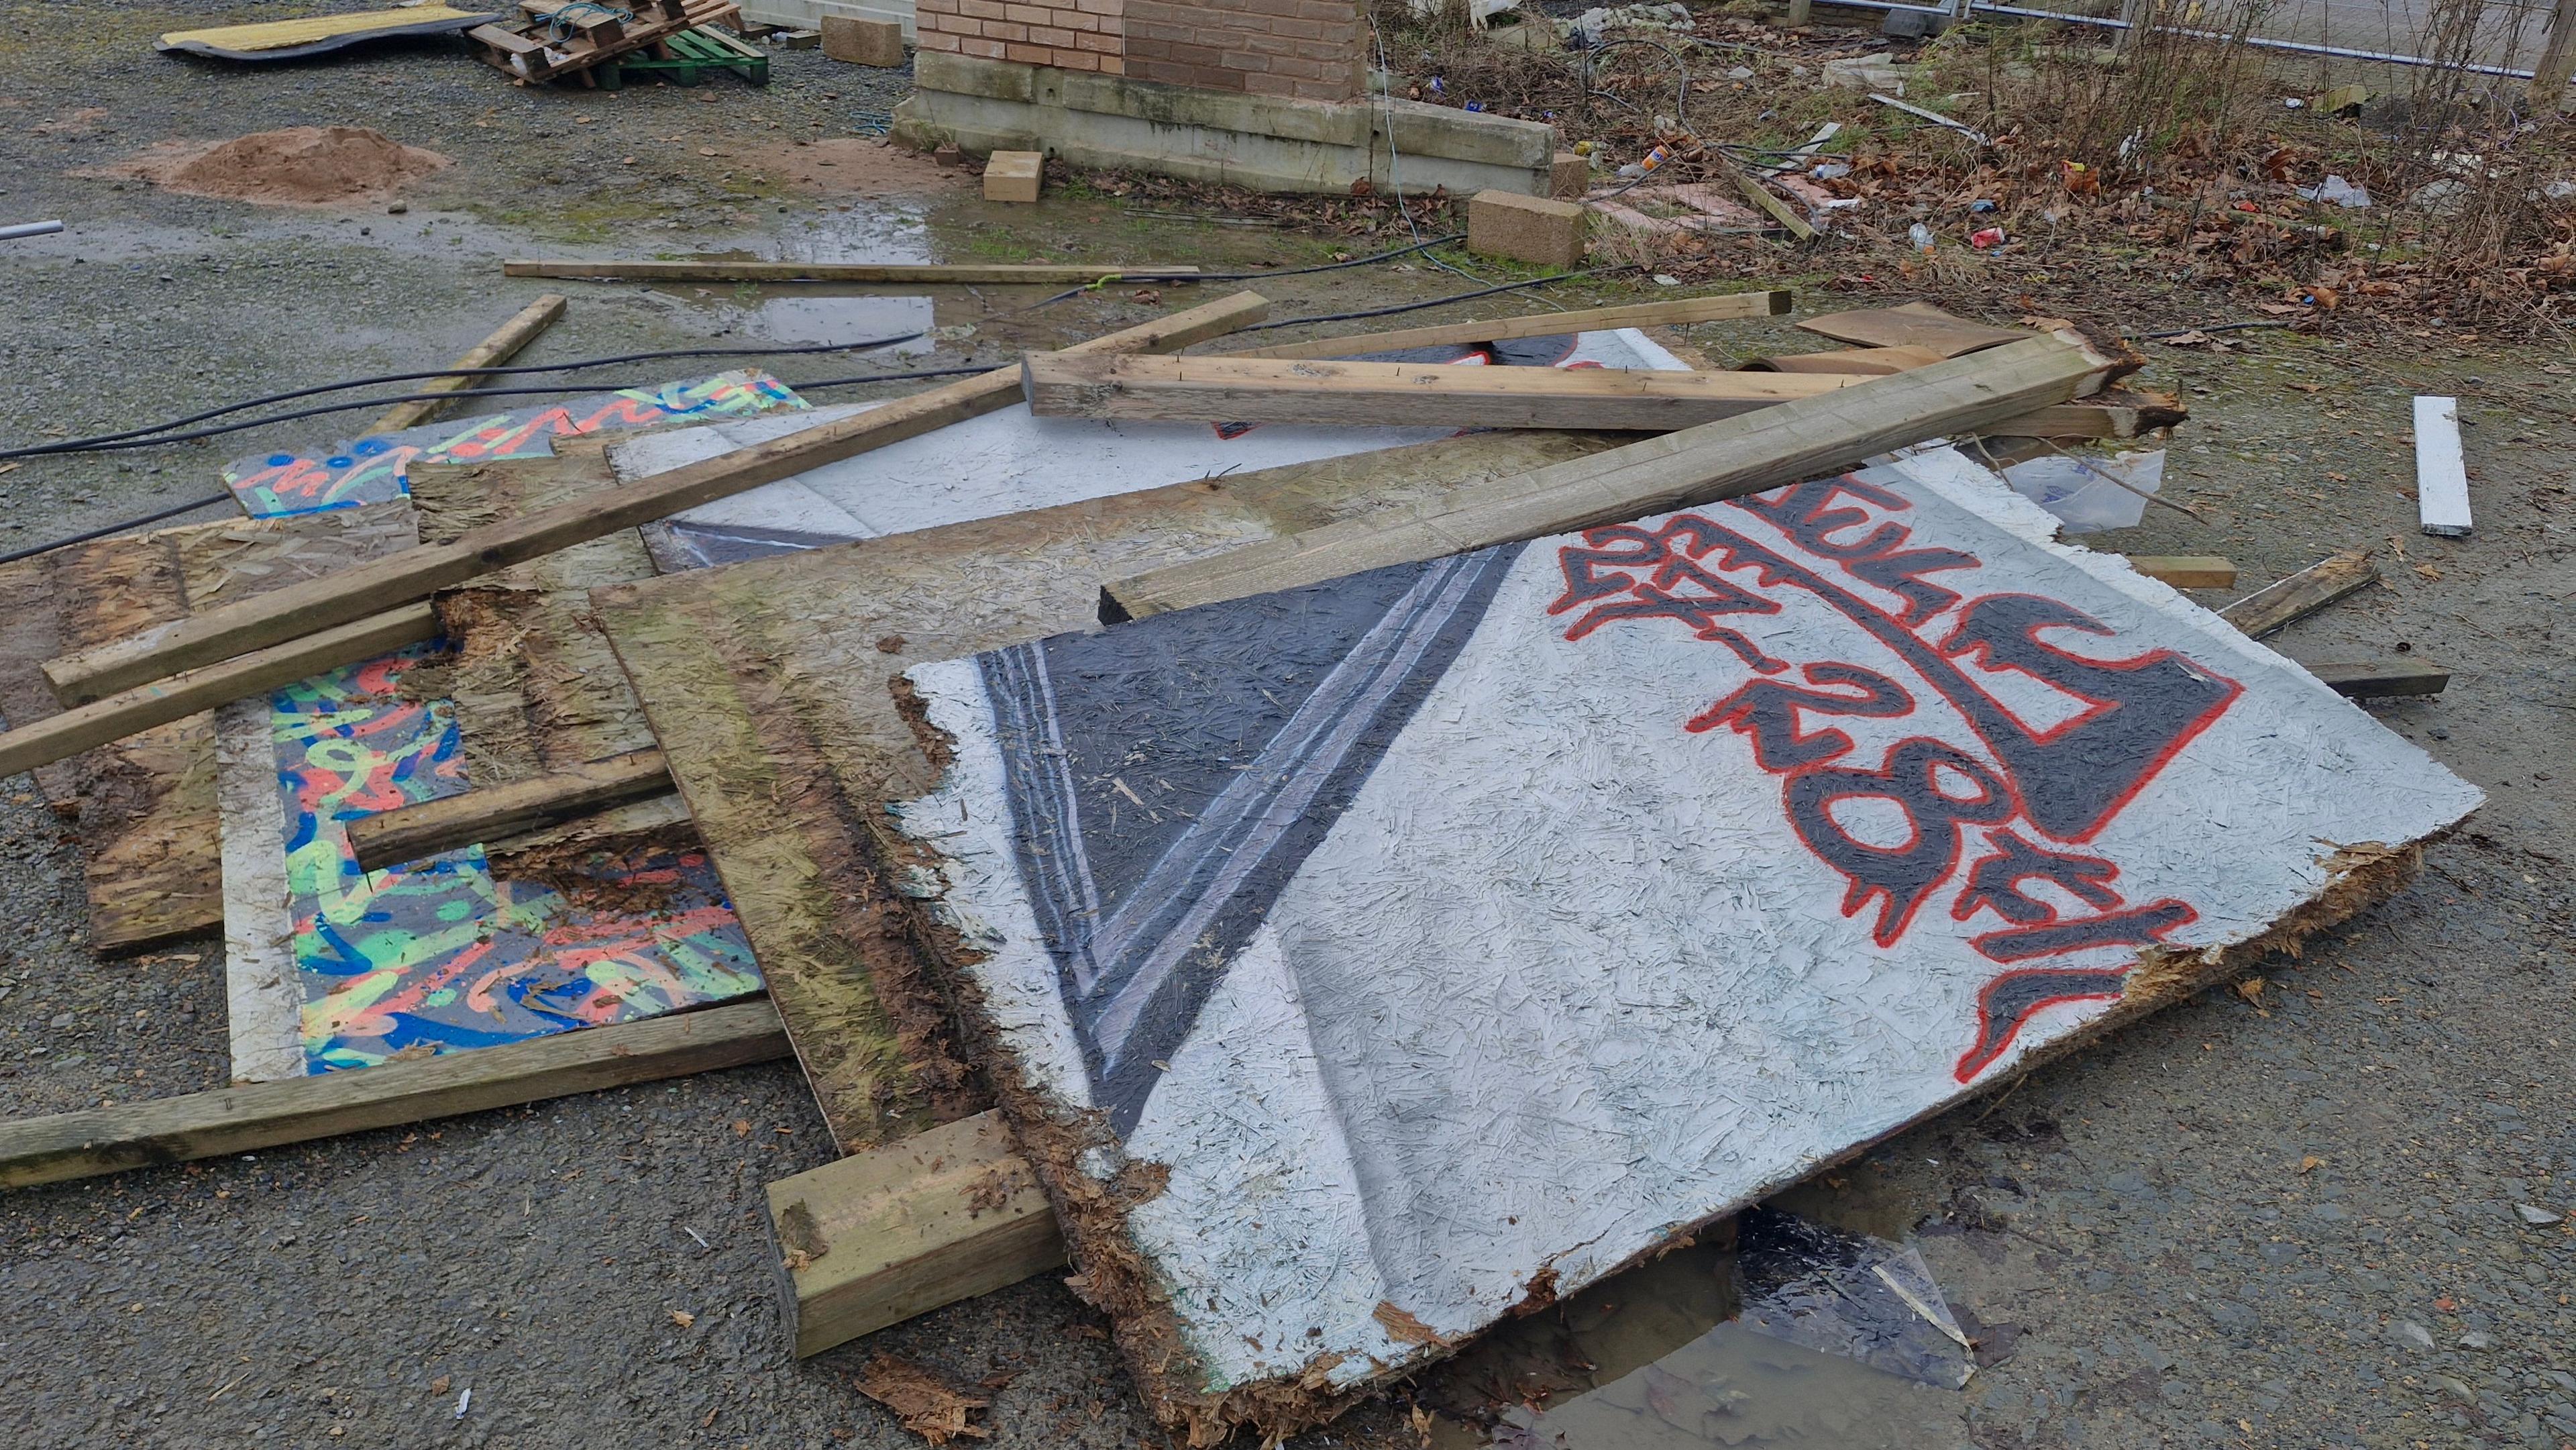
(1314, 49)
(1067, 34)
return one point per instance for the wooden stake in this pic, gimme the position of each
(1725, 307)
(2557, 61)
(184, 694)
(2441, 470)
(924, 273)
(1727, 459)
(2287, 601)
(491, 352)
(1760, 195)
(297, 1110)
(878, 1237)
(1387, 394)
(218, 634)
(495, 813)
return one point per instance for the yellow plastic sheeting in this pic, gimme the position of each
(288, 34)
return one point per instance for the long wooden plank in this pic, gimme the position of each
(921, 272)
(2372, 679)
(189, 691)
(428, 827)
(503, 345)
(1727, 459)
(1724, 307)
(878, 1237)
(263, 994)
(418, 573)
(2287, 601)
(2441, 470)
(1760, 195)
(264, 1115)
(1394, 394)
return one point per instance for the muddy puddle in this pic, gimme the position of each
(1773, 1331)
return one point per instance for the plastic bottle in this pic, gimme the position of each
(1921, 236)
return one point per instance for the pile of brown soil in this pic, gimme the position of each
(299, 166)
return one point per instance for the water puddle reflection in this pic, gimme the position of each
(808, 318)
(1776, 1331)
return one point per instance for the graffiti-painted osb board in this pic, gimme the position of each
(371, 470)
(443, 955)
(1364, 961)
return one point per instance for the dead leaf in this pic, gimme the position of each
(927, 1407)
(2251, 989)
(2193, 338)
(742, 1127)
(2429, 570)
(2311, 1163)
(2309, 388)
(683, 1318)
(439, 1385)
(1403, 1328)
(1421, 1419)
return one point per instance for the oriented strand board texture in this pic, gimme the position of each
(765, 682)
(1362, 962)
(146, 804)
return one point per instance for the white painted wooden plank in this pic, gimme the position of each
(261, 990)
(2441, 473)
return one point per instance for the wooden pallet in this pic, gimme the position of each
(690, 58)
(554, 39)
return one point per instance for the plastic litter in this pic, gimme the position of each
(1986, 238)
(1830, 170)
(2090, 495)
(2335, 191)
(1843, 1293)
(1922, 238)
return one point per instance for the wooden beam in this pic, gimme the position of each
(878, 1237)
(297, 1110)
(1042, 274)
(351, 594)
(1724, 307)
(2441, 471)
(2185, 571)
(1869, 361)
(189, 691)
(491, 352)
(1727, 459)
(2371, 679)
(2287, 601)
(408, 833)
(1915, 324)
(1392, 394)
(1760, 195)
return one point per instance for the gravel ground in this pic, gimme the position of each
(2283, 1219)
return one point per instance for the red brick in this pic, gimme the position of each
(1113, 65)
(1076, 60)
(933, 40)
(1270, 85)
(1049, 35)
(983, 9)
(1105, 44)
(1246, 61)
(988, 49)
(1005, 30)
(1025, 54)
(1026, 14)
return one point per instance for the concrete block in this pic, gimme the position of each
(1421, 129)
(863, 42)
(1013, 176)
(967, 75)
(1569, 177)
(1535, 229)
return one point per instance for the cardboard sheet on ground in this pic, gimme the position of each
(1364, 961)
(319, 34)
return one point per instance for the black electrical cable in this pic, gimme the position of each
(2211, 327)
(121, 443)
(102, 532)
(84, 445)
